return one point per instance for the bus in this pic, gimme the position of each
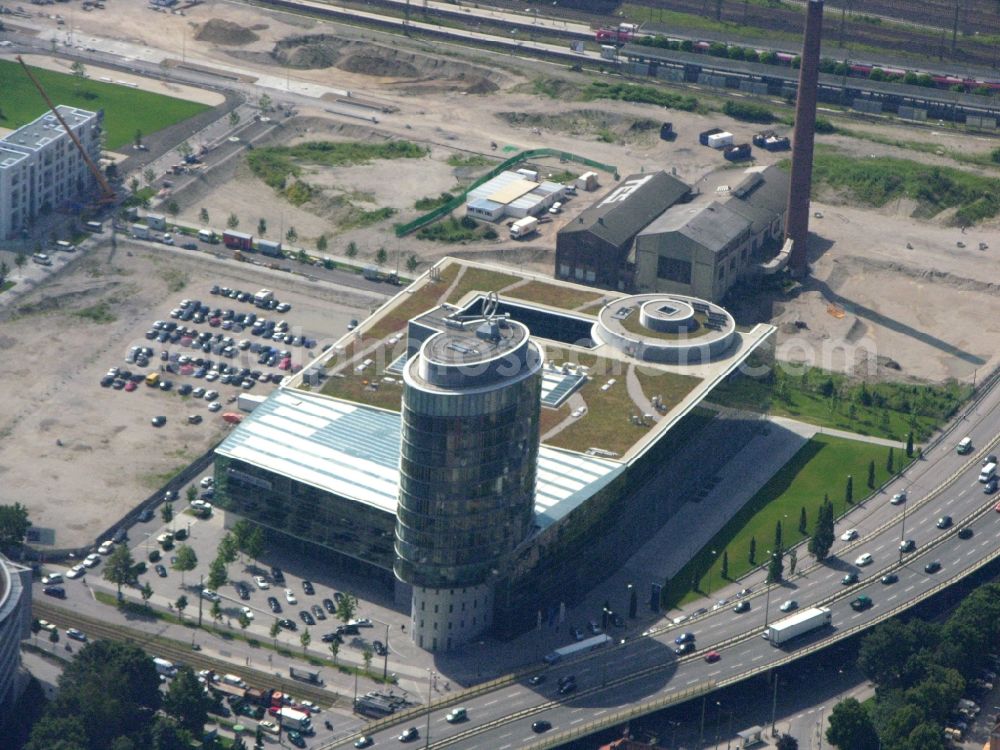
(582, 647)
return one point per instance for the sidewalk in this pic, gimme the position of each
(809, 430)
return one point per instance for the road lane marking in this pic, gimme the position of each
(577, 721)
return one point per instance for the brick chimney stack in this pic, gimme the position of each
(797, 220)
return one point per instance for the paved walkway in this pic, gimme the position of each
(804, 428)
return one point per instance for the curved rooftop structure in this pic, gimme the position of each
(666, 328)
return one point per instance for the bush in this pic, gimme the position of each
(748, 112)
(995, 155)
(824, 126)
(718, 49)
(468, 222)
(490, 234)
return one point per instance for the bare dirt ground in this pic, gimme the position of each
(111, 458)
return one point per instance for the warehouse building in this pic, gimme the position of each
(595, 247)
(42, 170)
(514, 194)
(704, 247)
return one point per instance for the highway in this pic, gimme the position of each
(641, 675)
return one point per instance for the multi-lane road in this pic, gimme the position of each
(642, 674)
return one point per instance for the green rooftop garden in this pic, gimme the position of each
(554, 295)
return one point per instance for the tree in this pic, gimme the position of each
(793, 560)
(184, 149)
(181, 604)
(291, 235)
(776, 567)
(261, 226)
(19, 260)
(305, 639)
(264, 103)
(889, 462)
(302, 256)
(822, 539)
(203, 215)
(119, 568)
(187, 702)
(216, 611)
(186, 560)
(411, 263)
(167, 513)
(57, 733)
(787, 742)
(237, 538)
(229, 548)
(849, 491)
(217, 574)
(14, 525)
(173, 208)
(4, 271)
(233, 221)
(275, 629)
(334, 649)
(238, 744)
(243, 620)
(352, 250)
(366, 655)
(149, 175)
(146, 592)
(346, 607)
(851, 727)
(78, 69)
(381, 256)
(725, 564)
(871, 474)
(802, 520)
(255, 544)
(322, 243)
(753, 551)
(909, 445)
(234, 119)
(167, 734)
(192, 493)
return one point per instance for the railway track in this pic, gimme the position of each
(182, 653)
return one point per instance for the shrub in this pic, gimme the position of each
(748, 112)
(824, 126)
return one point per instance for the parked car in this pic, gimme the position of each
(273, 604)
(789, 606)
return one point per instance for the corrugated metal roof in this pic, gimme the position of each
(629, 207)
(353, 451)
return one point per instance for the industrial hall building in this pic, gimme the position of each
(654, 233)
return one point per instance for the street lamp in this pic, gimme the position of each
(767, 600)
(711, 565)
(902, 532)
(427, 732)
(718, 721)
(385, 654)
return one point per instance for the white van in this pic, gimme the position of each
(42, 259)
(965, 446)
(66, 247)
(989, 470)
(234, 680)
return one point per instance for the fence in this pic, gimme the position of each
(404, 229)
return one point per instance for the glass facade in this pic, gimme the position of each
(468, 466)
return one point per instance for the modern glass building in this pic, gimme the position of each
(468, 466)
(15, 626)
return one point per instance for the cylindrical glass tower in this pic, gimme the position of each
(468, 463)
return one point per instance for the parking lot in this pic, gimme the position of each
(68, 438)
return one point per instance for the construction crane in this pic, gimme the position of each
(107, 192)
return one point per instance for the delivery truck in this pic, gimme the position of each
(141, 232)
(164, 667)
(782, 631)
(292, 719)
(580, 647)
(156, 221)
(237, 240)
(523, 228)
(270, 248)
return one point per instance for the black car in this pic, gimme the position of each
(537, 679)
(273, 604)
(57, 591)
(566, 679)
(189, 246)
(907, 545)
(338, 597)
(287, 624)
(849, 579)
(541, 726)
(965, 533)
(308, 588)
(379, 648)
(243, 590)
(617, 620)
(160, 571)
(889, 578)
(944, 522)
(685, 648)
(276, 573)
(743, 606)
(408, 735)
(331, 637)
(932, 567)
(307, 618)
(568, 688)
(158, 421)
(146, 515)
(185, 389)
(318, 612)
(684, 638)
(330, 606)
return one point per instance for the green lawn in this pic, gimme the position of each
(821, 466)
(125, 109)
(888, 410)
